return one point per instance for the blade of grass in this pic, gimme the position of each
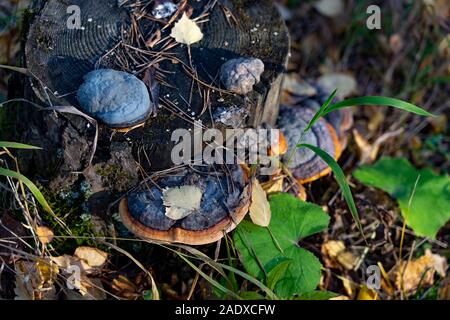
(379, 101)
(209, 279)
(220, 266)
(253, 280)
(366, 101)
(35, 191)
(16, 69)
(321, 111)
(15, 145)
(311, 123)
(340, 178)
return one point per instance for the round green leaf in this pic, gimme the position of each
(262, 249)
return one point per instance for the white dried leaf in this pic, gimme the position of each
(330, 8)
(260, 208)
(177, 213)
(181, 201)
(186, 31)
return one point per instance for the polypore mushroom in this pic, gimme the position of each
(305, 165)
(150, 213)
(163, 9)
(240, 75)
(118, 99)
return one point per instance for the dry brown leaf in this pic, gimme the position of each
(186, 31)
(396, 43)
(444, 290)
(273, 186)
(278, 146)
(259, 208)
(35, 280)
(124, 288)
(94, 257)
(349, 287)
(92, 289)
(420, 271)
(369, 152)
(337, 253)
(45, 235)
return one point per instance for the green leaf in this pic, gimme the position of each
(340, 178)
(425, 209)
(15, 145)
(277, 273)
(318, 295)
(251, 295)
(34, 190)
(262, 249)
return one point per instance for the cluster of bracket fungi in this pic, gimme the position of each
(126, 95)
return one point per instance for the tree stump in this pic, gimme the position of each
(58, 57)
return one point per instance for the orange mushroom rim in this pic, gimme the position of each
(190, 237)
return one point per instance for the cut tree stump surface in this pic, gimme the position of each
(59, 57)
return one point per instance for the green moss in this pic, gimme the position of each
(115, 177)
(70, 208)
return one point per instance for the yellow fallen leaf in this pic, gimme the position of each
(186, 31)
(367, 294)
(45, 235)
(337, 252)
(259, 208)
(35, 280)
(421, 271)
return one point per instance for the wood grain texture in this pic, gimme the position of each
(60, 57)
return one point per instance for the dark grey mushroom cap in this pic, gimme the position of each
(116, 98)
(305, 164)
(218, 199)
(240, 75)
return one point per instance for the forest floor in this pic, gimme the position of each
(409, 59)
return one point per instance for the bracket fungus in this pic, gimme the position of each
(329, 133)
(305, 165)
(116, 35)
(225, 199)
(240, 75)
(117, 98)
